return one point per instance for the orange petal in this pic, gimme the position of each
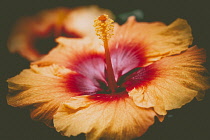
(176, 80)
(155, 40)
(115, 119)
(40, 89)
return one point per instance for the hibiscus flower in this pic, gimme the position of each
(74, 23)
(145, 70)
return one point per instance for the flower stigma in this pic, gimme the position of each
(104, 29)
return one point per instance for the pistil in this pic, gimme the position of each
(104, 29)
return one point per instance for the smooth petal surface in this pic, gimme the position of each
(171, 82)
(74, 23)
(155, 40)
(117, 119)
(41, 89)
(39, 26)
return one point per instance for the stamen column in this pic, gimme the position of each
(104, 29)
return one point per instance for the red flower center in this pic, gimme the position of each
(91, 76)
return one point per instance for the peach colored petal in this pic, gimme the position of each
(156, 40)
(76, 21)
(116, 119)
(40, 89)
(70, 49)
(176, 81)
(44, 111)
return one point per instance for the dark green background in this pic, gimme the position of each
(191, 122)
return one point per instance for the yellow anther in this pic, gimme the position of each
(104, 27)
